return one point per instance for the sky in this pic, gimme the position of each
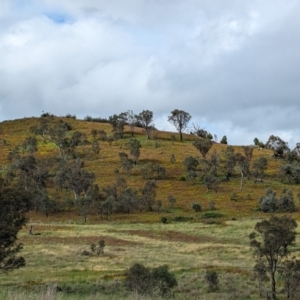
(233, 65)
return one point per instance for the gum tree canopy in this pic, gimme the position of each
(180, 119)
(14, 204)
(271, 242)
(279, 146)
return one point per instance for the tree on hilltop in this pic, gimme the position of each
(180, 119)
(277, 145)
(145, 118)
(131, 120)
(117, 123)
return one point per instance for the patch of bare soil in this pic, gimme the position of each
(40, 228)
(173, 236)
(78, 240)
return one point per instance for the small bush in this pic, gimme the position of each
(164, 220)
(172, 159)
(163, 280)
(86, 253)
(138, 279)
(211, 205)
(172, 200)
(182, 178)
(233, 196)
(98, 249)
(212, 280)
(142, 280)
(69, 116)
(268, 203)
(182, 219)
(212, 215)
(196, 207)
(286, 202)
(191, 176)
(47, 114)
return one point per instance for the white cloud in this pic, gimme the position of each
(233, 65)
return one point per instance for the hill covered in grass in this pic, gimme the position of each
(164, 149)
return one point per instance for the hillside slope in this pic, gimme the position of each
(157, 150)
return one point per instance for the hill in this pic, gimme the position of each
(157, 150)
(206, 227)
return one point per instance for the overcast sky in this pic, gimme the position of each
(233, 65)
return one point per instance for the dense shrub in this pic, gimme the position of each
(182, 219)
(164, 220)
(270, 203)
(196, 207)
(142, 280)
(233, 196)
(172, 159)
(98, 249)
(212, 280)
(163, 280)
(212, 215)
(286, 202)
(69, 116)
(98, 120)
(182, 178)
(138, 279)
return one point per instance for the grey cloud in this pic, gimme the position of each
(233, 65)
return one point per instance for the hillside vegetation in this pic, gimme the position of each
(156, 150)
(197, 220)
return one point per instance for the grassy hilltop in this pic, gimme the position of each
(189, 242)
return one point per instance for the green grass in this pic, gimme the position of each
(188, 248)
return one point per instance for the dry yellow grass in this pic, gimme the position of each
(158, 150)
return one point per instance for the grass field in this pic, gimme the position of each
(54, 257)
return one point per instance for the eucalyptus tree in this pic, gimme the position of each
(126, 163)
(118, 123)
(180, 119)
(191, 163)
(230, 161)
(248, 153)
(131, 120)
(30, 145)
(43, 127)
(145, 119)
(271, 242)
(259, 166)
(15, 203)
(134, 146)
(149, 194)
(200, 132)
(203, 146)
(74, 177)
(95, 147)
(242, 165)
(58, 135)
(277, 145)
